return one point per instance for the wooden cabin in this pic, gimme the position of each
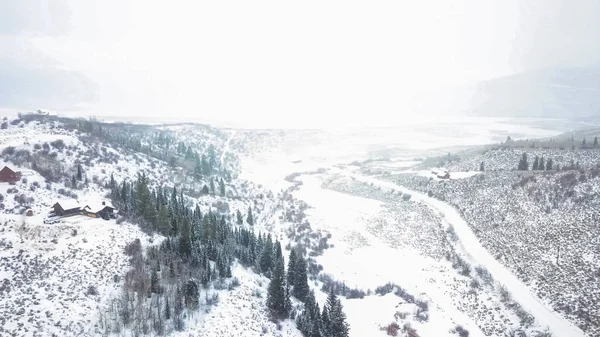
(67, 207)
(7, 175)
(102, 210)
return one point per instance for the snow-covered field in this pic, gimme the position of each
(304, 187)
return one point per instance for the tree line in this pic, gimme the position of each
(164, 285)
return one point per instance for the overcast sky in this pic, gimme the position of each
(275, 63)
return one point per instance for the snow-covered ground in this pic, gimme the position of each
(557, 324)
(377, 236)
(47, 272)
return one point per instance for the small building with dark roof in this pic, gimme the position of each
(7, 175)
(67, 207)
(102, 210)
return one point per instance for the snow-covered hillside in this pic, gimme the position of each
(540, 224)
(65, 278)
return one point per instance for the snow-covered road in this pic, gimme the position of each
(545, 316)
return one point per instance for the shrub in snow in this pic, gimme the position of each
(212, 299)
(234, 283)
(475, 284)
(392, 329)
(422, 315)
(460, 331)
(340, 288)
(409, 330)
(8, 151)
(484, 275)
(504, 294)
(385, 289)
(1, 197)
(58, 144)
(74, 232)
(133, 248)
(4, 126)
(92, 291)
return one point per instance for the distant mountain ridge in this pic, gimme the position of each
(566, 93)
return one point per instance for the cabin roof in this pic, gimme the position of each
(97, 206)
(68, 204)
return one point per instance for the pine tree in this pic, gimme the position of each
(482, 167)
(192, 294)
(212, 185)
(277, 253)
(523, 164)
(205, 190)
(74, 182)
(250, 217)
(266, 256)
(541, 164)
(185, 244)
(222, 187)
(536, 162)
(276, 299)
(154, 282)
(338, 327)
(291, 272)
(301, 288)
(549, 164)
(240, 218)
(167, 309)
(325, 322)
(595, 141)
(79, 173)
(583, 143)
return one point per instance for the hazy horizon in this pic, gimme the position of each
(314, 64)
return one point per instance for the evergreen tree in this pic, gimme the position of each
(154, 282)
(595, 141)
(583, 143)
(338, 327)
(192, 294)
(79, 173)
(212, 185)
(523, 164)
(266, 256)
(240, 218)
(549, 164)
(73, 182)
(291, 272)
(205, 167)
(205, 190)
(482, 167)
(250, 217)
(185, 244)
(325, 322)
(222, 187)
(541, 164)
(276, 298)
(536, 163)
(277, 253)
(163, 221)
(167, 309)
(301, 288)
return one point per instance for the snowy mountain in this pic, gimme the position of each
(564, 93)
